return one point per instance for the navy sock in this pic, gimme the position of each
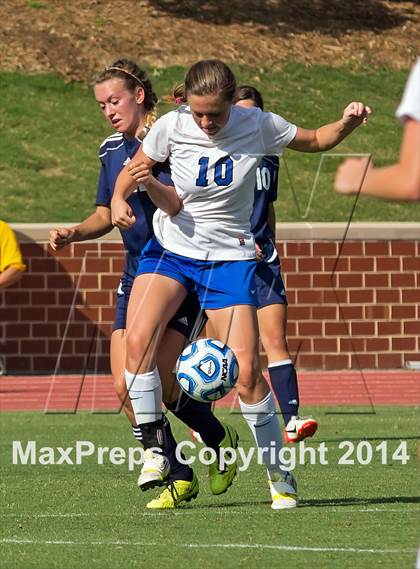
(137, 434)
(199, 417)
(285, 386)
(179, 471)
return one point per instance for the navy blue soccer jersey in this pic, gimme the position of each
(114, 153)
(265, 193)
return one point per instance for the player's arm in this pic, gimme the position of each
(10, 276)
(328, 136)
(96, 225)
(164, 197)
(271, 221)
(401, 181)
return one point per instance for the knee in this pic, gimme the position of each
(249, 373)
(136, 348)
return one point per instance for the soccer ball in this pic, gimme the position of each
(207, 369)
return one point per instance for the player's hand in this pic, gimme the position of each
(121, 214)
(350, 174)
(258, 253)
(60, 237)
(140, 172)
(355, 114)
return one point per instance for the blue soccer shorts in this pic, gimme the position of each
(189, 319)
(218, 284)
(268, 279)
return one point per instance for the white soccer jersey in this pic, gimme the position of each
(215, 178)
(410, 103)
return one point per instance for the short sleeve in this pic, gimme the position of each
(103, 192)
(410, 103)
(162, 172)
(156, 143)
(10, 254)
(276, 132)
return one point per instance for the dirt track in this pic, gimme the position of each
(75, 38)
(71, 393)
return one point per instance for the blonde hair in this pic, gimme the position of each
(133, 77)
(206, 77)
(176, 96)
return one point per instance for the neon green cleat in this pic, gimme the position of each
(176, 492)
(221, 480)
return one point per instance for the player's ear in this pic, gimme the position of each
(139, 95)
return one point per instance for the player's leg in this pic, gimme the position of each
(182, 484)
(272, 321)
(117, 357)
(153, 301)
(232, 285)
(237, 326)
(195, 414)
(185, 325)
(186, 409)
(181, 477)
(117, 349)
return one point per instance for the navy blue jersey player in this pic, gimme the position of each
(125, 95)
(272, 300)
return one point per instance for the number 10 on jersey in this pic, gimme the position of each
(223, 171)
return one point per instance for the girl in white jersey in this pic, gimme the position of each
(203, 240)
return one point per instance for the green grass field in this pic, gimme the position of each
(91, 516)
(51, 132)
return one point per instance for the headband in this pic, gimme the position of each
(128, 73)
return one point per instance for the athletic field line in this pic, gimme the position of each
(213, 546)
(29, 515)
(185, 512)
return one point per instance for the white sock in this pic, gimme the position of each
(145, 391)
(262, 420)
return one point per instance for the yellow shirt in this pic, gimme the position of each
(10, 254)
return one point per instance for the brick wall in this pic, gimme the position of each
(59, 317)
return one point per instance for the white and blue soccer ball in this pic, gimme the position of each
(207, 369)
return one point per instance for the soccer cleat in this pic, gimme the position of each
(221, 480)
(284, 492)
(299, 428)
(176, 492)
(155, 470)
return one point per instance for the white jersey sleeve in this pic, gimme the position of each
(410, 103)
(276, 132)
(156, 144)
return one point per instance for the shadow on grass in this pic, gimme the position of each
(322, 16)
(359, 501)
(336, 502)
